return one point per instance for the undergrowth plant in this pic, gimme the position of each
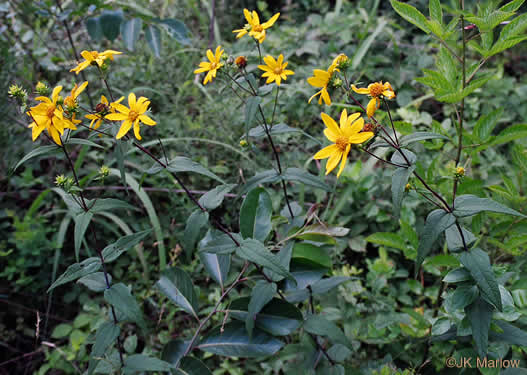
(273, 269)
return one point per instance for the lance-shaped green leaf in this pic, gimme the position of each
(106, 335)
(509, 334)
(174, 351)
(111, 23)
(411, 14)
(39, 151)
(217, 242)
(261, 295)
(480, 314)
(192, 366)
(217, 266)
(153, 38)
(255, 252)
(140, 362)
(477, 262)
(468, 205)
(93, 26)
(454, 240)
(119, 296)
(232, 340)
(284, 257)
(457, 275)
(176, 29)
(269, 175)
(306, 178)
(255, 215)
(311, 255)
(320, 326)
(487, 123)
(398, 158)
(463, 296)
(420, 136)
(95, 281)
(76, 271)
(195, 223)
(82, 221)
(436, 223)
(183, 164)
(278, 317)
(213, 198)
(251, 109)
(114, 251)
(107, 204)
(436, 12)
(176, 284)
(399, 180)
(130, 30)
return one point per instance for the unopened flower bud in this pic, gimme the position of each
(60, 180)
(101, 107)
(369, 127)
(17, 92)
(243, 143)
(460, 171)
(104, 171)
(42, 89)
(336, 82)
(407, 188)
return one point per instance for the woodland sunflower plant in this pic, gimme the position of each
(275, 267)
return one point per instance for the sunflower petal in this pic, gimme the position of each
(326, 152)
(125, 127)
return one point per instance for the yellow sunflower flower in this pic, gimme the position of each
(212, 66)
(340, 59)
(375, 90)
(71, 101)
(101, 110)
(343, 137)
(321, 78)
(275, 70)
(253, 26)
(49, 115)
(94, 58)
(131, 116)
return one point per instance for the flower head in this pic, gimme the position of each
(321, 79)
(212, 66)
(94, 58)
(340, 61)
(460, 171)
(241, 62)
(253, 26)
(376, 91)
(101, 110)
(49, 115)
(343, 137)
(71, 101)
(17, 92)
(131, 116)
(42, 88)
(275, 70)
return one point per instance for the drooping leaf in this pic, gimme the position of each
(76, 271)
(177, 30)
(269, 175)
(174, 351)
(255, 215)
(480, 314)
(217, 242)
(177, 285)
(85, 142)
(234, 341)
(251, 109)
(510, 334)
(468, 205)
(195, 223)
(140, 362)
(123, 244)
(39, 151)
(399, 159)
(107, 204)
(261, 294)
(119, 296)
(130, 30)
(110, 22)
(217, 266)
(93, 26)
(82, 221)
(153, 38)
(399, 180)
(213, 198)
(478, 264)
(436, 223)
(306, 178)
(255, 252)
(420, 136)
(454, 240)
(95, 281)
(183, 164)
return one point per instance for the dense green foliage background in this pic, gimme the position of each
(384, 311)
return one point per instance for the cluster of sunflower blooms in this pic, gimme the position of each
(55, 114)
(351, 130)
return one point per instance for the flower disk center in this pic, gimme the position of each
(278, 70)
(51, 111)
(376, 89)
(342, 143)
(213, 65)
(133, 115)
(258, 28)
